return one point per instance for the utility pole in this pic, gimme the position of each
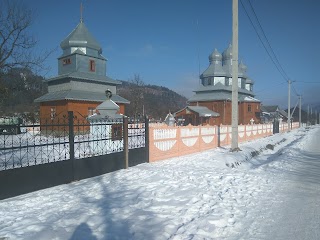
(299, 111)
(289, 116)
(234, 120)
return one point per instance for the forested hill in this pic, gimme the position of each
(18, 89)
(156, 101)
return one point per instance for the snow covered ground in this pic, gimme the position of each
(274, 195)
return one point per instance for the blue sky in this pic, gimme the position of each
(167, 41)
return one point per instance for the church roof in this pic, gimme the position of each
(242, 70)
(220, 87)
(220, 96)
(79, 52)
(80, 37)
(79, 95)
(215, 56)
(227, 54)
(220, 66)
(86, 76)
(209, 96)
(214, 69)
(249, 81)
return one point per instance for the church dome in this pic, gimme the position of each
(227, 54)
(215, 56)
(242, 67)
(80, 37)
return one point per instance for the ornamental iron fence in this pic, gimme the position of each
(67, 136)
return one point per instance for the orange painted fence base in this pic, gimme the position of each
(167, 142)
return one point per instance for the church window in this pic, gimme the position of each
(53, 112)
(239, 82)
(205, 82)
(249, 107)
(83, 49)
(66, 61)
(92, 66)
(219, 80)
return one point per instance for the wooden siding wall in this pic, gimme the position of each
(224, 108)
(245, 116)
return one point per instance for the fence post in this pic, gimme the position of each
(146, 136)
(218, 128)
(71, 142)
(125, 142)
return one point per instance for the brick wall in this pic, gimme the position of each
(80, 108)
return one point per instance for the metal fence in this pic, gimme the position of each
(68, 136)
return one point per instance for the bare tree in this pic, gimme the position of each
(137, 96)
(16, 41)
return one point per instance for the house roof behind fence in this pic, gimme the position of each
(203, 111)
(269, 109)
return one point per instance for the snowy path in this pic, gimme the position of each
(292, 210)
(191, 197)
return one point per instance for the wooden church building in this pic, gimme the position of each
(214, 94)
(81, 82)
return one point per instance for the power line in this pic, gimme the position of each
(295, 91)
(267, 46)
(307, 82)
(265, 89)
(275, 56)
(264, 45)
